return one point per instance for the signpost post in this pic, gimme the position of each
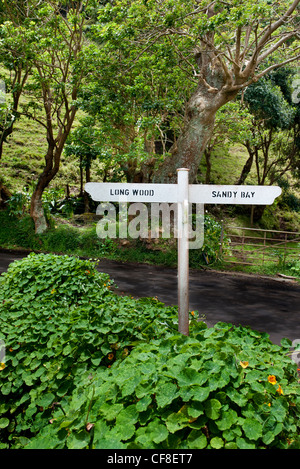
(183, 194)
(183, 251)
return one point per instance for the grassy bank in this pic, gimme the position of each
(66, 238)
(63, 238)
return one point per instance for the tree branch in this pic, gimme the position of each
(275, 46)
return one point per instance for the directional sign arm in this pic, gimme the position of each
(240, 195)
(170, 193)
(131, 192)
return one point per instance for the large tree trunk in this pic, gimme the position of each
(210, 95)
(222, 74)
(36, 208)
(190, 146)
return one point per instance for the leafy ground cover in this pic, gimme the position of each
(85, 368)
(18, 232)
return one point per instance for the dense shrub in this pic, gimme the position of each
(215, 238)
(85, 368)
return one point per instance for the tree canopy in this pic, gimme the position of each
(223, 47)
(152, 75)
(46, 39)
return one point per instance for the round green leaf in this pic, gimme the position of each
(4, 422)
(217, 443)
(212, 409)
(252, 429)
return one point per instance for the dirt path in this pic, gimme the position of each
(264, 304)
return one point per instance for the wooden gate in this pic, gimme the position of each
(257, 246)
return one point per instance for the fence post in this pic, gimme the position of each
(264, 250)
(221, 239)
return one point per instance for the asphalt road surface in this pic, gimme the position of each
(266, 305)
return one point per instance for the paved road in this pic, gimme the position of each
(263, 304)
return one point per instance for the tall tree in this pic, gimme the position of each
(224, 46)
(58, 62)
(138, 102)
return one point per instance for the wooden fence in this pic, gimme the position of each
(257, 246)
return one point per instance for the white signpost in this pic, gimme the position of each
(183, 194)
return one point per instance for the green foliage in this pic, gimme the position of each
(82, 143)
(85, 368)
(185, 393)
(17, 232)
(295, 268)
(18, 203)
(212, 238)
(267, 102)
(62, 238)
(290, 201)
(60, 322)
(210, 252)
(68, 239)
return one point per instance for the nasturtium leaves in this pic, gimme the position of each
(177, 420)
(252, 428)
(217, 442)
(212, 408)
(200, 393)
(196, 440)
(4, 422)
(166, 394)
(139, 384)
(227, 419)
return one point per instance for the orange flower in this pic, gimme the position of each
(2, 366)
(87, 272)
(193, 313)
(244, 364)
(279, 390)
(272, 379)
(110, 356)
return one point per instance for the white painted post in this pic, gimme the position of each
(183, 250)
